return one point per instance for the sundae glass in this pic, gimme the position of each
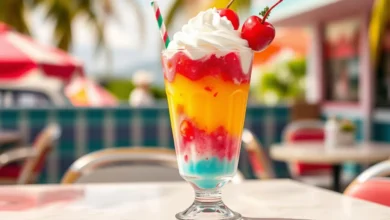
(207, 70)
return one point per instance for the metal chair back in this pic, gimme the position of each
(260, 162)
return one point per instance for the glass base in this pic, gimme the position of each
(208, 206)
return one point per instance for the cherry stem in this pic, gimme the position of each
(230, 3)
(269, 10)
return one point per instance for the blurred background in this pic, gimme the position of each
(94, 69)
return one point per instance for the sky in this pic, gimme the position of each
(130, 51)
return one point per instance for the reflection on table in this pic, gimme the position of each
(279, 199)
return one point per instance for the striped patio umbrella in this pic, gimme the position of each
(20, 55)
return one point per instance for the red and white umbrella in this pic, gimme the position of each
(20, 54)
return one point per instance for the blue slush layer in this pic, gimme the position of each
(207, 174)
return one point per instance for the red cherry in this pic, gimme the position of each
(259, 34)
(257, 31)
(231, 16)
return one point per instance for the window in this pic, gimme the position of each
(341, 53)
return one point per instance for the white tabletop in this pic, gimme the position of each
(275, 199)
(315, 152)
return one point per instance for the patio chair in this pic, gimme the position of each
(258, 159)
(313, 174)
(33, 158)
(134, 164)
(302, 131)
(372, 185)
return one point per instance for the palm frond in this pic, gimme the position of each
(61, 12)
(36, 3)
(86, 7)
(237, 5)
(12, 12)
(63, 32)
(176, 6)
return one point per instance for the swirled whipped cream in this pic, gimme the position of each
(209, 33)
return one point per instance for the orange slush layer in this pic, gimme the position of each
(209, 103)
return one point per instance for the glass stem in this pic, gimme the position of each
(208, 196)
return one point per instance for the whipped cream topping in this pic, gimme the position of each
(209, 33)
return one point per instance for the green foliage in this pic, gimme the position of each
(121, 89)
(282, 82)
(347, 126)
(158, 92)
(297, 67)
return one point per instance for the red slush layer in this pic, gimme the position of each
(215, 144)
(227, 67)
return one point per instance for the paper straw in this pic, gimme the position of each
(161, 25)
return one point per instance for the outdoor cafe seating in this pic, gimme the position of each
(301, 131)
(134, 164)
(23, 164)
(372, 185)
(159, 164)
(195, 110)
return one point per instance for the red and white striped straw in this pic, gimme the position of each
(160, 22)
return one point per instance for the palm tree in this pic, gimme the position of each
(63, 13)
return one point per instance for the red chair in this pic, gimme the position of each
(374, 190)
(301, 131)
(34, 158)
(372, 185)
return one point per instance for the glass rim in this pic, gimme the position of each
(165, 50)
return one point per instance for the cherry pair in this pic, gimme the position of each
(255, 30)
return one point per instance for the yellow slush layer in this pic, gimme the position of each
(209, 103)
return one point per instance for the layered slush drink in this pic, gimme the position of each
(207, 79)
(207, 69)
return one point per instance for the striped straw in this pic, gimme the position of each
(161, 25)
